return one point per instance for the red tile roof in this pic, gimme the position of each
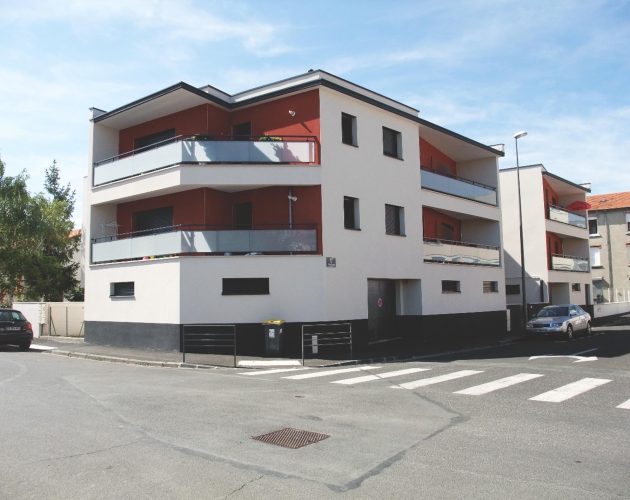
(609, 201)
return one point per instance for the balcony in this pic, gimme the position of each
(458, 186)
(567, 217)
(205, 150)
(186, 240)
(459, 252)
(569, 263)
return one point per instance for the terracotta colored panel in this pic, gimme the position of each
(431, 220)
(433, 159)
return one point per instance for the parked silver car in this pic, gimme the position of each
(565, 319)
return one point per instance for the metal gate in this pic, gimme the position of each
(326, 339)
(216, 340)
(381, 309)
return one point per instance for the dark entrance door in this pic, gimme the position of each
(381, 309)
(243, 215)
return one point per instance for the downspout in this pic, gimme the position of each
(290, 208)
(610, 261)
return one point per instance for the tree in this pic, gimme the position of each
(36, 250)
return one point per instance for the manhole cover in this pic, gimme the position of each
(291, 438)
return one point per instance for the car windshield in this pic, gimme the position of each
(548, 312)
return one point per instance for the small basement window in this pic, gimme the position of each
(450, 286)
(245, 286)
(122, 289)
(490, 287)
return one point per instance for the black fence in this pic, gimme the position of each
(216, 340)
(326, 340)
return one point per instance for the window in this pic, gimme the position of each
(153, 139)
(392, 143)
(351, 213)
(245, 286)
(490, 287)
(512, 289)
(596, 257)
(122, 289)
(628, 222)
(348, 129)
(242, 130)
(449, 286)
(592, 226)
(394, 220)
(576, 287)
(153, 221)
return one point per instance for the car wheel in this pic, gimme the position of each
(570, 332)
(25, 347)
(588, 328)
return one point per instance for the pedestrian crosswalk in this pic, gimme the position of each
(351, 376)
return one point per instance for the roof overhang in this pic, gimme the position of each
(562, 186)
(456, 146)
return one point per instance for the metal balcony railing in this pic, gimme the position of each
(460, 252)
(569, 263)
(457, 186)
(206, 150)
(206, 240)
(566, 216)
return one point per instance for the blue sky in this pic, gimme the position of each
(486, 69)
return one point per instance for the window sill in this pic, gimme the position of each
(349, 144)
(394, 157)
(353, 228)
(122, 297)
(594, 235)
(597, 267)
(450, 292)
(394, 234)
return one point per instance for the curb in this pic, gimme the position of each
(175, 364)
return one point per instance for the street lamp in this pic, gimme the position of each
(517, 136)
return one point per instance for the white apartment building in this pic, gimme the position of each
(555, 237)
(310, 199)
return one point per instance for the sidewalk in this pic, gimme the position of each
(77, 348)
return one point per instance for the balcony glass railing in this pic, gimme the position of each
(457, 186)
(569, 263)
(567, 217)
(459, 252)
(201, 149)
(180, 240)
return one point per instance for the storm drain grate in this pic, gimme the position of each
(291, 438)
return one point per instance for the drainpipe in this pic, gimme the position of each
(291, 198)
(610, 262)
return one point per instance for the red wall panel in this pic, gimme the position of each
(554, 246)
(432, 220)
(433, 159)
(550, 196)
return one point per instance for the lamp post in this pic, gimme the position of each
(517, 136)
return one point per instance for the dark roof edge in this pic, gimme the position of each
(549, 174)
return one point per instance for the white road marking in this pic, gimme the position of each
(478, 390)
(274, 370)
(271, 362)
(368, 378)
(327, 373)
(436, 380)
(578, 359)
(625, 406)
(570, 390)
(584, 352)
(40, 347)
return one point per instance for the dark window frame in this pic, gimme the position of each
(392, 143)
(397, 220)
(125, 289)
(451, 286)
(513, 289)
(154, 140)
(351, 219)
(591, 222)
(490, 287)
(245, 286)
(349, 130)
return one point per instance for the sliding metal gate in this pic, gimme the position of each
(216, 340)
(325, 340)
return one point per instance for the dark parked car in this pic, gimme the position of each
(565, 319)
(15, 329)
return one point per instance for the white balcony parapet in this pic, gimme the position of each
(457, 186)
(240, 241)
(569, 263)
(456, 252)
(202, 151)
(566, 217)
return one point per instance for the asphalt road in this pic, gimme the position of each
(490, 423)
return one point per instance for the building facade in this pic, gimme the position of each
(311, 199)
(555, 238)
(609, 233)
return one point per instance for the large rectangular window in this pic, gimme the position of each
(592, 226)
(348, 129)
(122, 289)
(392, 143)
(450, 286)
(394, 220)
(245, 286)
(351, 213)
(153, 139)
(596, 257)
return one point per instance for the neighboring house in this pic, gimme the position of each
(311, 199)
(555, 238)
(609, 231)
(79, 257)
